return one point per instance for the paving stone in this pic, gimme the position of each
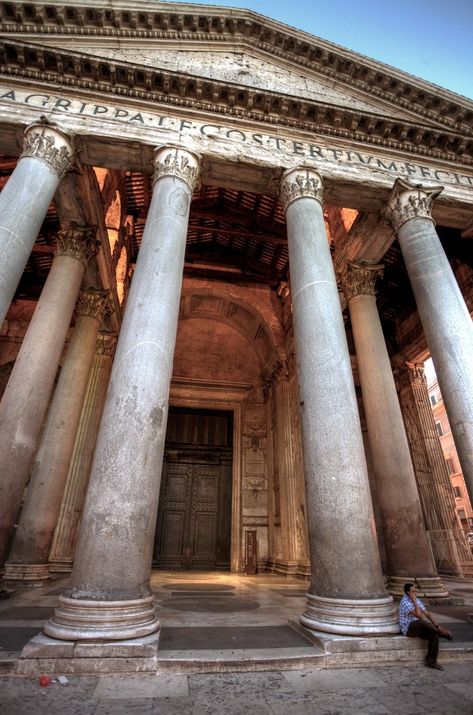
(332, 680)
(152, 686)
(207, 638)
(420, 698)
(206, 604)
(198, 587)
(463, 689)
(26, 613)
(336, 702)
(40, 706)
(124, 706)
(173, 706)
(15, 637)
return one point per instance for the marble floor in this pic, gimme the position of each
(224, 616)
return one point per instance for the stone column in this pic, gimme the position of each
(29, 554)
(347, 594)
(283, 465)
(443, 312)
(110, 596)
(433, 482)
(24, 201)
(27, 394)
(407, 546)
(65, 536)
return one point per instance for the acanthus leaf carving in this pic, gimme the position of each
(44, 141)
(408, 201)
(78, 242)
(300, 183)
(360, 279)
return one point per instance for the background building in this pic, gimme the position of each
(462, 499)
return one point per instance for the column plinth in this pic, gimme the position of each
(113, 559)
(24, 201)
(27, 394)
(443, 312)
(407, 546)
(33, 537)
(347, 582)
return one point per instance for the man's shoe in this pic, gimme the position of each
(435, 666)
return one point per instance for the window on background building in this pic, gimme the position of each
(433, 399)
(450, 465)
(463, 518)
(439, 429)
(458, 494)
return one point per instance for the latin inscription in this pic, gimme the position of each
(287, 146)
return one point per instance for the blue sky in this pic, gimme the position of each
(432, 39)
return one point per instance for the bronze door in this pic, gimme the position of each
(193, 529)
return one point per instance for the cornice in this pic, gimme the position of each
(213, 24)
(64, 68)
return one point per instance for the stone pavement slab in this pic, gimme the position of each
(370, 691)
(152, 686)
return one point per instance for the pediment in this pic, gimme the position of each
(250, 70)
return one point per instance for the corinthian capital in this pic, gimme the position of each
(360, 279)
(409, 201)
(46, 142)
(412, 374)
(78, 242)
(93, 303)
(299, 184)
(106, 344)
(180, 163)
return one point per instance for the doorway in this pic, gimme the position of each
(194, 516)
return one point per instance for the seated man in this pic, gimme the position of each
(413, 623)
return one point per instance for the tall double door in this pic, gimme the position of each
(194, 516)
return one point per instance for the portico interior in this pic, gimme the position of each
(223, 171)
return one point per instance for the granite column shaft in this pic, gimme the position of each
(407, 546)
(64, 542)
(24, 201)
(443, 312)
(27, 394)
(29, 554)
(347, 593)
(110, 596)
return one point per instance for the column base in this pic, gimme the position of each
(89, 620)
(285, 568)
(350, 617)
(32, 574)
(60, 566)
(427, 586)
(303, 569)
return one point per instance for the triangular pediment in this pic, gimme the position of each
(257, 71)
